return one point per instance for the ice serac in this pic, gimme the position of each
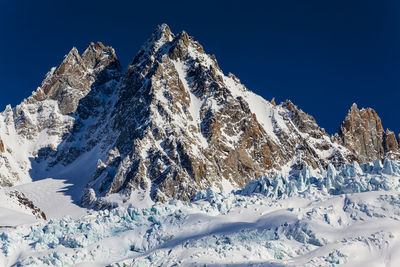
(183, 125)
(362, 133)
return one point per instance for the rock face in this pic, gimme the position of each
(28, 204)
(170, 125)
(2, 146)
(73, 78)
(39, 126)
(195, 127)
(362, 133)
(390, 141)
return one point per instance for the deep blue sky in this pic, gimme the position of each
(323, 55)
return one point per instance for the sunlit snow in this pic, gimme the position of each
(347, 215)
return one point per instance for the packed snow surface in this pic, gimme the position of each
(342, 216)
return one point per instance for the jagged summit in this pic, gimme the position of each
(97, 54)
(163, 32)
(73, 78)
(169, 126)
(161, 35)
(363, 134)
(390, 141)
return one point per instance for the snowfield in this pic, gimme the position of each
(342, 216)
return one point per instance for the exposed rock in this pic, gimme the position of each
(73, 78)
(81, 84)
(27, 203)
(362, 133)
(273, 102)
(390, 142)
(2, 146)
(391, 146)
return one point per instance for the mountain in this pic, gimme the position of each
(170, 125)
(98, 165)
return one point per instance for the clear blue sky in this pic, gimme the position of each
(323, 55)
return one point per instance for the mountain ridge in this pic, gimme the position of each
(172, 124)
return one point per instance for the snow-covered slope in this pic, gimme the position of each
(302, 219)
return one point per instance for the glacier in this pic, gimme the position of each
(348, 215)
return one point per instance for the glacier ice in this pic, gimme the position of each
(308, 217)
(349, 178)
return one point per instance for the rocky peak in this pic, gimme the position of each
(73, 78)
(71, 59)
(96, 55)
(362, 133)
(161, 35)
(177, 47)
(390, 142)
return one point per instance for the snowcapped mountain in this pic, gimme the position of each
(171, 125)
(171, 162)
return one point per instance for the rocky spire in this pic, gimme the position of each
(73, 78)
(390, 142)
(97, 55)
(161, 35)
(362, 133)
(163, 32)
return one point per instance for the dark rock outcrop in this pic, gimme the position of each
(28, 204)
(2, 146)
